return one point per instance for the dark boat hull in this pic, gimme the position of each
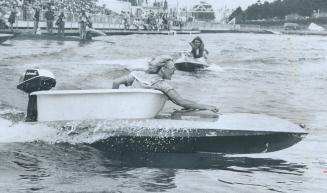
(54, 37)
(235, 133)
(239, 144)
(5, 37)
(189, 64)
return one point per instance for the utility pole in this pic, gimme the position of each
(177, 9)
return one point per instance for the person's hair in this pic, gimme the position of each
(198, 39)
(158, 62)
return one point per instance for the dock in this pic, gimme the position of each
(305, 32)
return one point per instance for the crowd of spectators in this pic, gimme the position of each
(74, 6)
(70, 6)
(160, 18)
(149, 20)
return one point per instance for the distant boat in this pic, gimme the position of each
(46, 36)
(5, 37)
(95, 33)
(190, 64)
(315, 27)
(56, 37)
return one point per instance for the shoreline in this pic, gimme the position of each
(22, 33)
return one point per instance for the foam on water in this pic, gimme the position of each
(77, 132)
(215, 68)
(23, 132)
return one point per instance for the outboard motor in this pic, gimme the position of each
(35, 80)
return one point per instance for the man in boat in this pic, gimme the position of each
(198, 50)
(160, 69)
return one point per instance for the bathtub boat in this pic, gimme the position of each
(129, 121)
(190, 64)
(63, 105)
(5, 37)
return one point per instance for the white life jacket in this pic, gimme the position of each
(145, 80)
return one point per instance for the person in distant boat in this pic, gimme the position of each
(160, 69)
(198, 50)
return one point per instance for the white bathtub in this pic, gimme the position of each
(60, 105)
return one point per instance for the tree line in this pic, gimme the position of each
(279, 9)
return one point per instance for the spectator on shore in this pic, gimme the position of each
(84, 21)
(49, 16)
(181, 24)
(137, 23)
(165, 22)
(12, 18)
(61, 23)
(151, 22)
(126, 20)
(36, 17)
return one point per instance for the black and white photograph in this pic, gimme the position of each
(176, 96)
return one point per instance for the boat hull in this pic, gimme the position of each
(231, 134)
(98, 104)
(5, 37)
(190, 65)
(238, 144)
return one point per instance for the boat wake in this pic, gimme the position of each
(21, 132)
(73, 132)
(215, 68)
(13, 129)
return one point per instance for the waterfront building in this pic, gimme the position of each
(293, 17)
(203, 12)
(319, 14)
(135, 2)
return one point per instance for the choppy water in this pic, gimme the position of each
(283, 76)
